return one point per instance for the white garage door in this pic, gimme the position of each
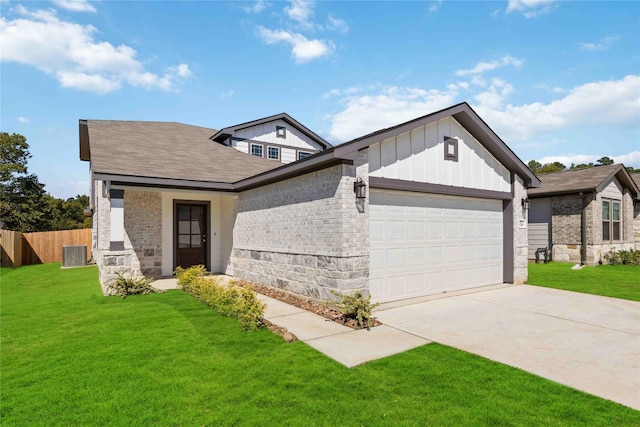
(423, 244)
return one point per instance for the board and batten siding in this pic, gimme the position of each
(539, 225)
(265, 134)
(612, 191)
(418, 156)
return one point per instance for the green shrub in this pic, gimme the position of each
(631, 257)
(124, 286)
(186, 276)
(228, 300)
(355, 306)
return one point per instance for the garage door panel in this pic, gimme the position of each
(416, 257)
(424, 244)
(394, 229)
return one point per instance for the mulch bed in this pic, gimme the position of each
(314, 306)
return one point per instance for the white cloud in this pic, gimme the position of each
(68, 51)
(227, 94)
(75, 5)
(367, 108)
(337, 24)
(629, 159)
(605, 103)
(23, 120)
(482, 67)
(302, 49)
(390, 106)
(434, 6)
(531, 8)
(256, 7)
(301, 11)
(602, 45)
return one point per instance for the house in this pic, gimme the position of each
(278, 137)
(580, 215)
(636, 213)
(436, 204)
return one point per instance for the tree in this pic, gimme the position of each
(67, 214)
(535, 166)
(22, 206)
(553, 167)
(604, 161)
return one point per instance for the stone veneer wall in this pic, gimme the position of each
(307, 234)
(636, 224)
(143, 229)
(142, 254)
(566, 223)
(520, 233)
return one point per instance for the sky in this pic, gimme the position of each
(556, 80)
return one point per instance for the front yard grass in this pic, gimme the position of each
(617, 281)
(73, 357)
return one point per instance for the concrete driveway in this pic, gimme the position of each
(587, 342)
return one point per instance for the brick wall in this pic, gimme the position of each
(636, 224)
(142, 254)
(143, 229)
(307, 234)
(566, 223)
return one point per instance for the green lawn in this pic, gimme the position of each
(617, 281)
(73, 357)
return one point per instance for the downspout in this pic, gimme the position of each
(583, 228)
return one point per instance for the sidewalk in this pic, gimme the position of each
(347, 346)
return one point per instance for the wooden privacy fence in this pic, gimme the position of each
(39, 248)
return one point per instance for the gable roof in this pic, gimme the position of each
(134, 153)
(348, 151)
(636, 177)
(126, 150)
(469, 119)
(225, 133)
(584, 180)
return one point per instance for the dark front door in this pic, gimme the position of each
(191, 234)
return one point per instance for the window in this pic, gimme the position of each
(273, 153)
(303, 154)
(450, 148)
(256, 150)
(281, 132)
(610, 220)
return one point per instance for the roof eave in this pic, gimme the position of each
(225, 133)
(155, 182)
(468, 118)
(85, 151)
(624, 177)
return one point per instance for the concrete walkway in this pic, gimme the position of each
(345, 345)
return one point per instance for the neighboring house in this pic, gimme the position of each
(580, 215)
(636, 212)
(278, 137)
(443, 207)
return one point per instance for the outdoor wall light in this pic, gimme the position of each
(360, 188)
(87, 211)
(525, 204)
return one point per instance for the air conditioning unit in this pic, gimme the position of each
(74, 256)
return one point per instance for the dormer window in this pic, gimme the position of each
(281, 132)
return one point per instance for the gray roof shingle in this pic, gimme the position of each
(585, 180)
(167, 150)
